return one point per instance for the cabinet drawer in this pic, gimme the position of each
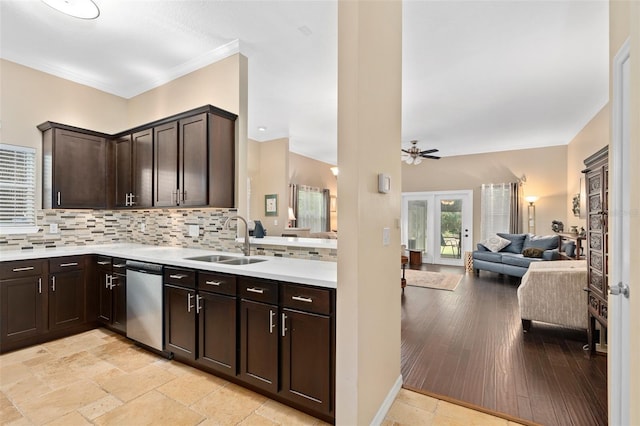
(308, 299)
(21, 268)
(217, 283)
(182, 277)
(258, 290)
(67, 263)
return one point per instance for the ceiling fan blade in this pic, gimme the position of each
(428, 151)
(405, 150)
(432, 157)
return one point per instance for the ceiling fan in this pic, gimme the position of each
(413, 155)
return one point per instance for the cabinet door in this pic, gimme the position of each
(217, 332)
(79, 170)
(192, 182)
(306, 359)
(123, 170)
(222, 150)
(119, 293)
(259, 345)
(21, 301)
(180, 321)
(166, 165)
(66, 299)
(142, 173)
(105, 296)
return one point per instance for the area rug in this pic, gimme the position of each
(437, 280)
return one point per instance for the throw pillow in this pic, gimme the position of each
(517, 241)
(533, 252)
(547, 242)
(495, 243)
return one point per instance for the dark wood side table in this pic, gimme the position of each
(415, 257)
(403, 264)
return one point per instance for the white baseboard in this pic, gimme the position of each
(386, 404)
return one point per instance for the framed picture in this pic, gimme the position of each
(271, 205)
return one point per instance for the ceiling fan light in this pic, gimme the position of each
(409, 160)
(83, 9)
(417, 161)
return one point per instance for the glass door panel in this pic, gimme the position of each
(450, 228)
(417, 225)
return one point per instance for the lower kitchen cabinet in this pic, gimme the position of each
(180, 321)
(112, 293)
(217, 332)
(66, 292)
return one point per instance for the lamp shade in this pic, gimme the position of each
(531, 199)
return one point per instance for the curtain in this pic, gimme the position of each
(495, 209)
(515, 208)
(327, 209)
(293, 202)
(312, 208)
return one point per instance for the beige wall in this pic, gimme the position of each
(307, 171)
(29, 97)
(369, 127)
(588, 141)
(624, 22)
(545, 169)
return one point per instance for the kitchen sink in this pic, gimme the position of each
(212, 258)
(241, 261)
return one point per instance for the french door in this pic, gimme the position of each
(438, 224)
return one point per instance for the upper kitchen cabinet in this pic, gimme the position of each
(133, 165)
(74, 167)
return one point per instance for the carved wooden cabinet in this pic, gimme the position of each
(597, 192)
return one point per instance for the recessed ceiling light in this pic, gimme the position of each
(83, 9)
(305, 30)
(262, 129)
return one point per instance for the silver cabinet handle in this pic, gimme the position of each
(198, 306)
(107, 280)
(189, 305)
(40, 285)
(302, 299)
(177, 276)
(120, 265)
(131, 197)
(184, 196)
(103, 262)
(111, 283)
(59, 198)
(216, 283)
(62, 265)
(255, 290)
(271, 323)
(284, 324)
(26, 268)
(53, 283)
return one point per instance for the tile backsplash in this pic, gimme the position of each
(167, 227)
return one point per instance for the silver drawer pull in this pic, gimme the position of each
(62, 265)
(26, 268)
(104, 262)
(255, 290)
(213, 282)
(302, 299)
(178, 276)
(120, 265)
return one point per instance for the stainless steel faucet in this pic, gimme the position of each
(247, 244)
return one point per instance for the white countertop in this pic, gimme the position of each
(302, 271)
(293, 242)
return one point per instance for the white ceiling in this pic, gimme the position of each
(478, 76)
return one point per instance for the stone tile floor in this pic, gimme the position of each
(100, 378)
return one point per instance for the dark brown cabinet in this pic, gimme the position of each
(259, 333)
(216, 307)
(22, 301)
(180, 312)
(112, 293)
(74, 167)
(597, 191)
(134, 169)
(181, 162)
(66, 292)
(307, 346)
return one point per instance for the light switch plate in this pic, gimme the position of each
(275, 222)
(386, 236)
(194, 230)
(53, 228)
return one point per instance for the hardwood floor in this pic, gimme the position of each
(469, 345)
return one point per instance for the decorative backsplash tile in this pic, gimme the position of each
(167, 227)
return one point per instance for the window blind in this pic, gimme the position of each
(17, 186)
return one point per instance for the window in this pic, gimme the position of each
(313, 206)
(17, 189)
(495, 209)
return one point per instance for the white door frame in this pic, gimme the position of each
(619, 241)
(467, 222)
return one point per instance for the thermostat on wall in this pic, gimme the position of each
(384, 183)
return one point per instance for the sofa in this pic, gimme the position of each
(511, 254)
(553, 292)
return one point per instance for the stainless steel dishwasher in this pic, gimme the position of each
(144, 304)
